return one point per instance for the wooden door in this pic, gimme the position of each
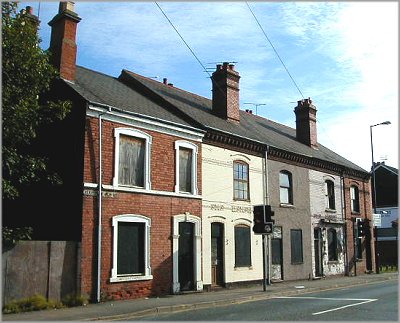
(217, 254)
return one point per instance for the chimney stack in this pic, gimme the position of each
(63, 40)
(306, 123)
(225, 92)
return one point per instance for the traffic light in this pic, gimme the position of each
(269, 214)
(262, 224)
(362, 227)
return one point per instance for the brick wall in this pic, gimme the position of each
(158, 208)
(365, 213)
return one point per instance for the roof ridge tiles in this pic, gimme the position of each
(169, 87)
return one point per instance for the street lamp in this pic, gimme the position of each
(255, 104)
(374, 193)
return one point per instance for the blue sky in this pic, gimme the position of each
(344, 55)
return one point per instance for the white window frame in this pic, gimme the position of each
(188, 145)
(136, 134)
(327, 200)
(147, 267)
(353, 198)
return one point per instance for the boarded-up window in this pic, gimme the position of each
(130, 248)
(242, 246)
(355, 200)
(296, 244)
(332, 245)
(276, 251)
(285, 186)
(240, 181)
(185, 170)
(131, 161)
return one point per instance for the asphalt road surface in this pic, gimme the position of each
(371, 302)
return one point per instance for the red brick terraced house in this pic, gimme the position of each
(141, 228)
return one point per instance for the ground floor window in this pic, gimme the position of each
(296, 243)
(131, 248)
(332, 245)
(242, 246)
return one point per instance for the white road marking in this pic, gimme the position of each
(363, 301)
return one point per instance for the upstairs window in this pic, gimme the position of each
(132, 158)
(240, 181)
(330, 195)
(285, 187)
(131, 161)
(186, 167)
(355, 199)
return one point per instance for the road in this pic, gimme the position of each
(372, 302)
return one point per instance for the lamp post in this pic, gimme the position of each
(374, 194)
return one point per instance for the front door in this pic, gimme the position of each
(186, 256)
(318, 252)
(217, 254)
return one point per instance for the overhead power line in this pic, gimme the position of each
(176, 30)
(193, 53)
(266, 36)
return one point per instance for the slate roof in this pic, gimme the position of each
(137, 94)
(103, 89)
(389, 168)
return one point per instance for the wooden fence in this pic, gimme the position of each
(48, 268)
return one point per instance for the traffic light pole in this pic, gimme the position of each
(266, 245)
(265, 264)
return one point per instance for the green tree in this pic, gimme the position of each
(26, 76)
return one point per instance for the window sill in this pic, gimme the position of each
(143, 191)
(130, 278)
(355, 213)
(297, 263)
(333, 262)
(289, 206)
(241, 268)
(330, 210)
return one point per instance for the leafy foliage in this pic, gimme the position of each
(27, 76)
(12, 235)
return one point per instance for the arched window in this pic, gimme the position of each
(285, 187)
(355, 199)
(330, 195)
(241, 181)
(186, 167)
(332, 245)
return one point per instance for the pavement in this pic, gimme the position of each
(138, 308)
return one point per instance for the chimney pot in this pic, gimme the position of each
(66, 5)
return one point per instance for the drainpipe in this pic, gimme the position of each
(99, 199)
(344, 218)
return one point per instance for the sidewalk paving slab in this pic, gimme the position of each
(137, 308)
